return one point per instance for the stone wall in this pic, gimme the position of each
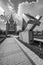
(24, 36)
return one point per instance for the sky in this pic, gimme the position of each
(22, 6)
(14, 3)
(1, 10)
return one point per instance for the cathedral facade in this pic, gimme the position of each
(11, 25)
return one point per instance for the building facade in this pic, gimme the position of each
(11, 26)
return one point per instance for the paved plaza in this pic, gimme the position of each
(12, 54)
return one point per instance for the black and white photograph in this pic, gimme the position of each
(21, 32)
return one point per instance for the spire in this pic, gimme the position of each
(11, 19)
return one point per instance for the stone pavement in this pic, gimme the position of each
(31, 54)
(12, 54)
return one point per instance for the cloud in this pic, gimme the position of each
(11, 3)
(25, 7)
(40, 1)
(33, 8)
(17, 2)
(6, 5)
(10, 7)
(1, 10)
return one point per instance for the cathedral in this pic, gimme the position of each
(11, 25)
